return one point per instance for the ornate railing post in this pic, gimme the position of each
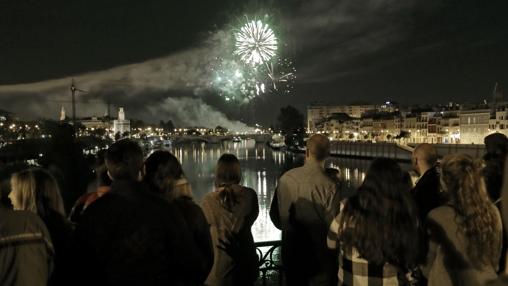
(267, 261)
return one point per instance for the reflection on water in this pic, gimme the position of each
(261, 167)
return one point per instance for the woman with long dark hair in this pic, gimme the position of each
(231, 211)
(376, 233)
(465, 234)
(164, 176)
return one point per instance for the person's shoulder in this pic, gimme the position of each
(248, 190)
(103, 206)
(210, 196)
(186, 202)
(22, 215)
(293, 173)
(441, 213)
(21, 221)
(496, 211)
(292, 176)
(210, 201)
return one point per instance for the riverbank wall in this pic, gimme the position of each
(368, 150)
(399, 152)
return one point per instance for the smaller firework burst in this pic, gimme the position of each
(282, 75)
(234, 82)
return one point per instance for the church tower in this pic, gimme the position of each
(62, 114)
(497, 99)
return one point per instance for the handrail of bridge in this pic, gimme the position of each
(267, 260)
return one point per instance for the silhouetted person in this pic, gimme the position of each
(376, 233)
(37, 191)
(502, 280)
(102, 186)
(426, 192)
(165, 178)
(231, 211)
(304, 204)
(130, 237)
(466, 233)
(64, 157)
(496, 146)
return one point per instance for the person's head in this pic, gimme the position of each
(228, 171)
(381, 221)
(462, 182)
(424, 157)
(496, 143)
(124, 160)
(162, 169)
(318, 148)
(227, 174)
(36, 190)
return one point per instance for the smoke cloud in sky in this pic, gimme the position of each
(336, 45)
(170, 87)
(159, 89)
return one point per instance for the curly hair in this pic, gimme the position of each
(381, 221)
(462, 181)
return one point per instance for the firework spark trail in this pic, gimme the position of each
(284, 77)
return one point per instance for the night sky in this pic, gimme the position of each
(151, 56)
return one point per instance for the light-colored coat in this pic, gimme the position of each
(223, 223)
(447, 260)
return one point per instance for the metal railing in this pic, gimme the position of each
(269, 261)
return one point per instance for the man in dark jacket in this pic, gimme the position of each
(129, 237)
(426, 192)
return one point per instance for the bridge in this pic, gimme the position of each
(216, 139)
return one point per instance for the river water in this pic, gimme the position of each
(261, 167)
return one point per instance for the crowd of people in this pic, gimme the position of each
(141, 225)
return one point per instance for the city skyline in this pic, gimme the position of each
(150, 58)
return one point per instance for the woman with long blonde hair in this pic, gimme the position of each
(465, 234)
(36, 190)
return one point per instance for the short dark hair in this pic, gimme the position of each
(318, 146)
(124, 160)
(228, 170)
